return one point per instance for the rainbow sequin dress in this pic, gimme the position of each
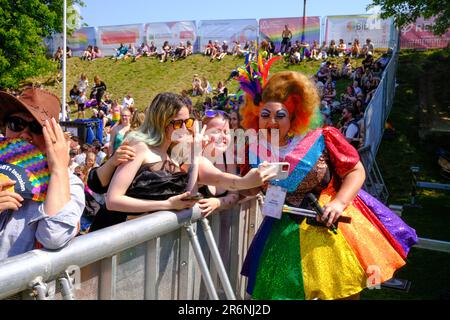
(291, 259)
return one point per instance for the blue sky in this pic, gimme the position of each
(118, 12)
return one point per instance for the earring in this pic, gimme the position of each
(290, 136)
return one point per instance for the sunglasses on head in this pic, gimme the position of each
(213, 113)
(178, 124)
(18, 124)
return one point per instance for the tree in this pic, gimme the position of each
(23, 25)
(405, 12)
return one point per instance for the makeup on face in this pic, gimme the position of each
(279, 114)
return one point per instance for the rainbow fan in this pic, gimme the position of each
(23, 162)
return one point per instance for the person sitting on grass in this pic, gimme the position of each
(341, 48)
(332, 49)
(142, 51)
(120, 52)
(96, 53)
(355, 50)
(165, 51)
(87, 54)
(180, 52)
(197, 88)
(223, 51)
(189, 49)
(346, 70)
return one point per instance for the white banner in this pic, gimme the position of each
(358, 27)
(174, 32)
(109, 38)
(229, 30)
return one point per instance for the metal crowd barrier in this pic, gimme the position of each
(152, 257)
(148, 258)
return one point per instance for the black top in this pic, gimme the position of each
(155, 181)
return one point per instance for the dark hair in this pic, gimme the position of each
(350, 109)
(72, 153)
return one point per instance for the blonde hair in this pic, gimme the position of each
(137, 120)
(162, 109)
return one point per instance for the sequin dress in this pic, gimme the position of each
(292, 259)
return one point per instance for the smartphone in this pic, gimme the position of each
(197, 196)
(281, 169)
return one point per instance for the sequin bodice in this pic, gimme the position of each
(315, 181)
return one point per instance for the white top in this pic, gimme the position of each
(351, 132)
(127, 102)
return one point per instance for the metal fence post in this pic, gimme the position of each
(66, 286)
(39, 289)
(151, 269)
(201, 262)
(108, 275)
(215, 255)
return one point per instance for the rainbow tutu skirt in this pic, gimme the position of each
(292, 260)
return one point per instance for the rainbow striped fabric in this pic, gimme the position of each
(20, 153)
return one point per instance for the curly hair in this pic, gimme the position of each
(296, 92)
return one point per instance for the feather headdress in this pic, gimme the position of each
(253, 76)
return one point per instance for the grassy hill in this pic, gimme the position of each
(147, 77)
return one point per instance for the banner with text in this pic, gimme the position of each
(109, 38)
(227, 30)
(418, 35)
(359, 27)
(80, 39)
(174, 32)
(271, 29)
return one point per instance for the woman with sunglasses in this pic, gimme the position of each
(297, 257)
(24, 223)
(153, 181)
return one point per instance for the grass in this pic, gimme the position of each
(148, 77)
(427, 270)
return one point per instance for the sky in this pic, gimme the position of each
(117, 12)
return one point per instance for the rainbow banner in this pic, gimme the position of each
(359, 27)
(174, 32)
(271, 29)
(241, 30)
(418, 35)
(109, 38)
(80, 39)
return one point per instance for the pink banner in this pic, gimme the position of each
(418, 35)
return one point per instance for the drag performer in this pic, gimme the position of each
(295, 257)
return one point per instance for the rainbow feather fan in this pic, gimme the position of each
(23, 162)
(253, 76)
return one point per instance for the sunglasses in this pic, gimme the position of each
(17, 124)
(213, 113)
(178, 124)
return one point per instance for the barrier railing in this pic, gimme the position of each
(380, 106)
(146, 258)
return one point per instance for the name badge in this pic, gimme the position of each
(274, 201)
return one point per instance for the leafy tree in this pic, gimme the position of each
(23, 25)
(407, 11)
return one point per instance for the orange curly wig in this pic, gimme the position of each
(296, 92)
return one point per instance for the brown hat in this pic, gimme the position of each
(42, 105)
